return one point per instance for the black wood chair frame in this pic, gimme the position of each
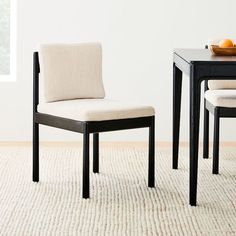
(217, 112)
(86, 128)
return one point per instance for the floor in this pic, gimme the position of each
(120, 203)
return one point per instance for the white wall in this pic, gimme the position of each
(138, 38)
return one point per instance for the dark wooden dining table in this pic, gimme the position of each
(200, 65)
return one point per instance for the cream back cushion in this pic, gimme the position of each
(71, 71)
(222, 84)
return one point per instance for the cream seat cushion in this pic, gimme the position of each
(95, 109)
(221, 98)
(71, 71)
(222, 84)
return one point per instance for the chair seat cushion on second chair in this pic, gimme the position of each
(221, 97)
(95, 109)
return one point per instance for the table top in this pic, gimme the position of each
(203, 56)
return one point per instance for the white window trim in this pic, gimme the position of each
(13, 53)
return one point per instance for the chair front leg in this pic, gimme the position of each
(85, 191)
(151, 154)
(95, 153)
(206, 132)
(35, 152)
(215, 169)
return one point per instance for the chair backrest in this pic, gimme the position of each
(71, 71)
(220, 84)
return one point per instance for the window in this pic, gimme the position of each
(7, 49)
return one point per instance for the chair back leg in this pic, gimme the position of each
(35, 152)
(215, 169)
(206, 127)
(95, 153)
(206, 134)
(151, 155)
(85, 190)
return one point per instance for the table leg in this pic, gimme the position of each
(195, 91)
(177, 87)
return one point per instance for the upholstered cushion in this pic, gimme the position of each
(222, 84)
(95, 109)
(71, 71)
(221, 98)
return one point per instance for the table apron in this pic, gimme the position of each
(222, 71)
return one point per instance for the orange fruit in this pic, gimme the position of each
(226, 43)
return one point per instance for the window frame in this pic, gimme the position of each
(13, 53)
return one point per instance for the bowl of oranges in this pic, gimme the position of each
(224, 47)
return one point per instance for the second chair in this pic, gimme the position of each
(220, 100)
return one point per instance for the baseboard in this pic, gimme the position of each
(105, 144)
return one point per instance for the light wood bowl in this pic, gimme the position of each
(215, 49)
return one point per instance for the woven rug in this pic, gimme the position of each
(120, 203)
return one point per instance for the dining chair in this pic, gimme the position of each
(74, 100)
(220, 100)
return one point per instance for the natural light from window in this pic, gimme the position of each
(7, 40)
(5, 37)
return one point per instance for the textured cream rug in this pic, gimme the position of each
(120, 203)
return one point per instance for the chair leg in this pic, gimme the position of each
(206, 126)
(96, 153)
(206, 133)
(151, 159)
(35, 152)
(215, 169)
(85, 191)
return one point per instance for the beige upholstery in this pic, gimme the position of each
(71, 71)
(222, 84)
(221, 98)
(73, 87)
(95, 109)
